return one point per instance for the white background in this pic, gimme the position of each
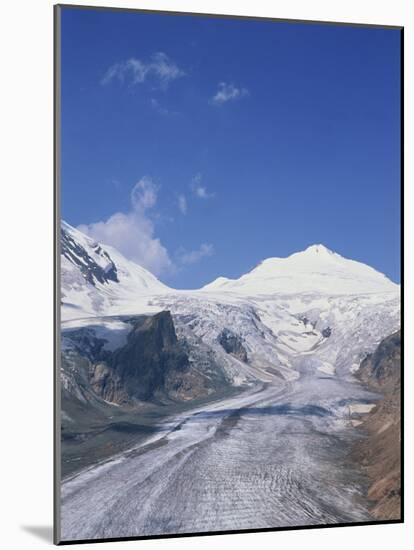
(26, 188)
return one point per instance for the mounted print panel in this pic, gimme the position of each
(228, 274)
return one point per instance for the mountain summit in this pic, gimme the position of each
(318, 249)
(315, 269)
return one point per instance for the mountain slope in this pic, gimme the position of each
(316, 269)
(314, 302)
(96, 278)
(379, 453)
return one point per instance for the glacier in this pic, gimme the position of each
(273, 455)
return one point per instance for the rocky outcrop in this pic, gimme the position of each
(151, 365)
(380, 452)
(232, 344)
(326, 332)
(382, 369)
(120, 376)
(90, 269)
(106, 383)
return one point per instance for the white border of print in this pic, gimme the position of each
(26, 218)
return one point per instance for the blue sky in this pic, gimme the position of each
(200, 146)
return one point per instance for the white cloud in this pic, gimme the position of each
(199, 190)
(228, 92)
(135, 71)
(202, 193)
(182, 204)
(132, 233)
(195, 256)
(144, 194)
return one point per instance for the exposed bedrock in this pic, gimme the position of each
(152, 364)
(233, 344)
(380, 453)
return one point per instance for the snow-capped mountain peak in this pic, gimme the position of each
(315, 269)
(95, 277)
(312, 302)
(318, 249)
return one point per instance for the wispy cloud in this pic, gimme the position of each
(155, 104)
(133, 232)
(194, 256)
(200, 190)
(159, 68)
(228, 92)
(182, 204)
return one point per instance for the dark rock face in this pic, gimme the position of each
(232, 344)
(306, 321)
(151, 365)
(383, 367)
(148, 362)
(326, 332)
(380, 452)
(107, 384)
(91, 271)
(112, 397)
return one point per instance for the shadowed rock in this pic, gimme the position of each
(380, 452)
(232, 344)
(91, 271)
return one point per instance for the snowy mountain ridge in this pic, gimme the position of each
(95, 277)
(316, 269)
(313, 309)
